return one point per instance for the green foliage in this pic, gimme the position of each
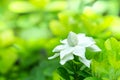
(63, 73)
(73, 70)
(43, 71)
(91, 78)
(108, 68)
(6, 60)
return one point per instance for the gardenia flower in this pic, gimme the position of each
(75, 44)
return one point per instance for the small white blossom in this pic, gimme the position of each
(75, 44)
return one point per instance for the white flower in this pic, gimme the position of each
(75, 44)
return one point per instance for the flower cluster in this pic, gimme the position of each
(75, 44)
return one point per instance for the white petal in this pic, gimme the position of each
(72, 39)
(64, 41)
(66, 58)
(65, 52)
(95, 48)
(86, 62)
(81, 35)
(85, 41)
(54, 56)
(79, 51)
(58, 48)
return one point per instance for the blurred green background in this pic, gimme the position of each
(30, 29)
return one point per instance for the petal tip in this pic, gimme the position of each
(62, 63)
(50, 58)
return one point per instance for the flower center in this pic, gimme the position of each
(72, 39)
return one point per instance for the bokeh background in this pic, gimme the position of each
(30, 29)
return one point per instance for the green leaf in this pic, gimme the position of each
(75, 5)
(63, 73)
(113, 50)
(8, 58)
(91, 78)
(44, 71)
(7, 38)
(111, 44)
(21, 7)
(40, 3)
(115, 27)
(56, 6)
(2, 78)
(57, 28)
(66, 17)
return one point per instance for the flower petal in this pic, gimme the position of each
(80, 35)
(54, 56)
(66, 58)
(95, 48)
(64, 41)
(58, 48)
(79, 51)
(65, 52)
(85, 41)
(85, 61)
